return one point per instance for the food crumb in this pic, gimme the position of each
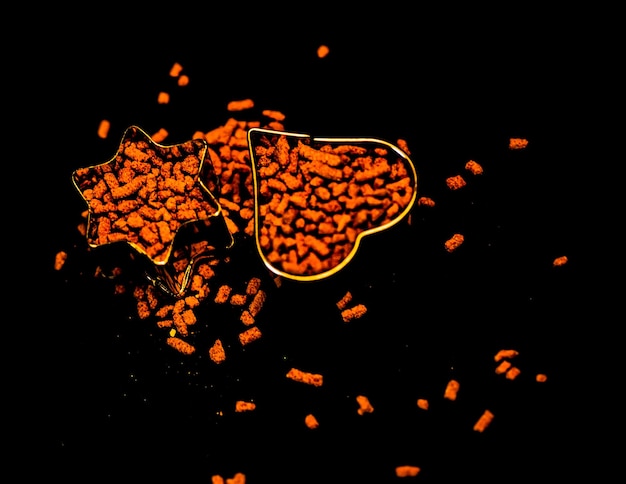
(311, 422)
(240, 105)
(59, 260)
(322, 51)
(238, 478)
(517, 143)
(216, 352)
(505, 354)
(103, 128)
(407, 471)
(503, 367)
(305, 377)
(474, 168)
(160, 135)
(163, 98)
(242, 406)
(344, 301)
(183, 80)
(176, 69)
(454, 242)
(560, 261)
(354, 312)
(422, 403)
(541, 377)
(484, 421)
(425, 202)
(180, 345)
(249, 335)
(364, 405)
(455, 182)
(512, 373)
(451, 391)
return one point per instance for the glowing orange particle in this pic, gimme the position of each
(425, 202)
(240, 105)
(103, 128)
(180, 345)
(455, 182)
(163, 98)
(559, 261)
(176, 69)
(305, 377)
(505, 354)
(517, 143)
(241, 406)
(364, 405)
(322, 51)
(484, 421)
(503, 367)
(216, 352)
(407, 471)
(541, 377)
(183, 80)
(354, 312)
(59, 260)
(422, 403)
(249, 335)
(512, 373)
(474, 168)
(160, 135)
(454, 242)
(452, 389)
(311, 422)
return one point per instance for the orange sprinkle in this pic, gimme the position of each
(59, 260)
(322, 51)
(505, 354)
(103, 129)
(474, 168)
(216, 352)
(163, 98)
(176, 69)
(305, 377)
(241, 406)
(364, 405)
(517, 143)
(183, 80)
(311, 422)
(160, 135)
(422, 403)
(407, 471)
(452, 389)
(541, 377)
(454, 242)
(512, 373)
(484, 421)
(240, 105)
(455, 182)
(560, 261)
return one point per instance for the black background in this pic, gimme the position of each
(106, 397)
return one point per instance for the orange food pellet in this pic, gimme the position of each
(180, 345)
(455, 182)
(560, 261)
(238, 478)
(163, 98)
(503, 367)
(484, 421)
(407, 471)
(311, 422)
(240, 105)
(242, 406)
(183, 80)
(425, 202)
(512, 373)
(422, 403)
(505, 354)
(474, 168)
(454, 242)
(160, 135)
(322, 51)
(216, 352)
(452, 389)
(249, 335)
(59, 260)
(314, 379)
(364, 405)
(103, 128)
(354, 312)
(176, 69)
(517, 143)
(541, 377)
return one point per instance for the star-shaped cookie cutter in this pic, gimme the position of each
(148, 196)
(317, 198)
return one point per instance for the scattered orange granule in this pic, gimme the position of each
(455, 182)
(249, 335)
(59, 260)
(240, 105)
(452, 389)
(180, 345)
(454, 242)
(311, 422)
(216, 352)
(407, 471)
(541, 377)
(354, 312)
(275, 115)
(322, 51)
(560, 261)
(176, 69)
(305, 377)
(160, 135)
(484, 421)
(103, 128)
(517, 143)
(364, 405)
(241, 406)
(503, 367)
(422, 403)
(183, 80)
(474, 168)
(425, 202)
(163, 98)
(344, 301)
(505, 354)
(512, 373)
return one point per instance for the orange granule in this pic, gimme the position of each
(452, 389)
(103, 128)
(216, 352)
(183, 80)
(364, 405)
(180, 345)
(541, 377)
(560, 261)
(512, 373)
(275, 115)
(422, 403)
(484, 421)
(240, 105)
(425, 202)
(311, 422)
(503, 367)
(163, 98)
(249, 335)
(517, 143)
(407, 471)
(322, 51)
(354, 312)
(505, 354)
(474, 168)
(455, 182)
(176, 69)
(59, 260)
(223, 293)
(344, 301)
(454, 242)
(160, 135)
(305, 377)
(242, 406)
